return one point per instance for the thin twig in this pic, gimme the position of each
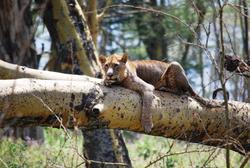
(173, 154)
(222, 78)
(57, 117)
(243, 164)
(208, 159)
(4, 163)
(98, 162)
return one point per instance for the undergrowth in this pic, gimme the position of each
(62, 149)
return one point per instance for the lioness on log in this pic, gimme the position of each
(145, 76)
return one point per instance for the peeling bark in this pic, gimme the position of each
(87, 103)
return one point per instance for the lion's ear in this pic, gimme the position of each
(102, 59)
(124, 58)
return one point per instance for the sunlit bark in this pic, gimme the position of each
(85, 102)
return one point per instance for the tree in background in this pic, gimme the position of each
(17, 33)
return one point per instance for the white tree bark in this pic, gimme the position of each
(81, 101)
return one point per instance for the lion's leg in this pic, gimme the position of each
(146, 92)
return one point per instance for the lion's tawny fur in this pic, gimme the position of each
(145, 76)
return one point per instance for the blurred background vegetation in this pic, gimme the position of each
(186, 31)
(59, 150)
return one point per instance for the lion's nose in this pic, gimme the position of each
(109, 74)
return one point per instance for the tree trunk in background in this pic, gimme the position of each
(246, 48)
(200, 9)
(236, 78)
(99, 145)
(214, 74)
(92, 20)
(152, 32)
(17, 46)
(201, 68)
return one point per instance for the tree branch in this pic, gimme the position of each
(12, 71)
(84, 102)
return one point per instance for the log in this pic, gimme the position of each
(81, 101)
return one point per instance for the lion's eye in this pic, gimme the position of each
(116, 65)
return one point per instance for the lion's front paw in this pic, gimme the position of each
(147, 126)
(107, 83)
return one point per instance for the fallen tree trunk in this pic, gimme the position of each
(80, 101)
